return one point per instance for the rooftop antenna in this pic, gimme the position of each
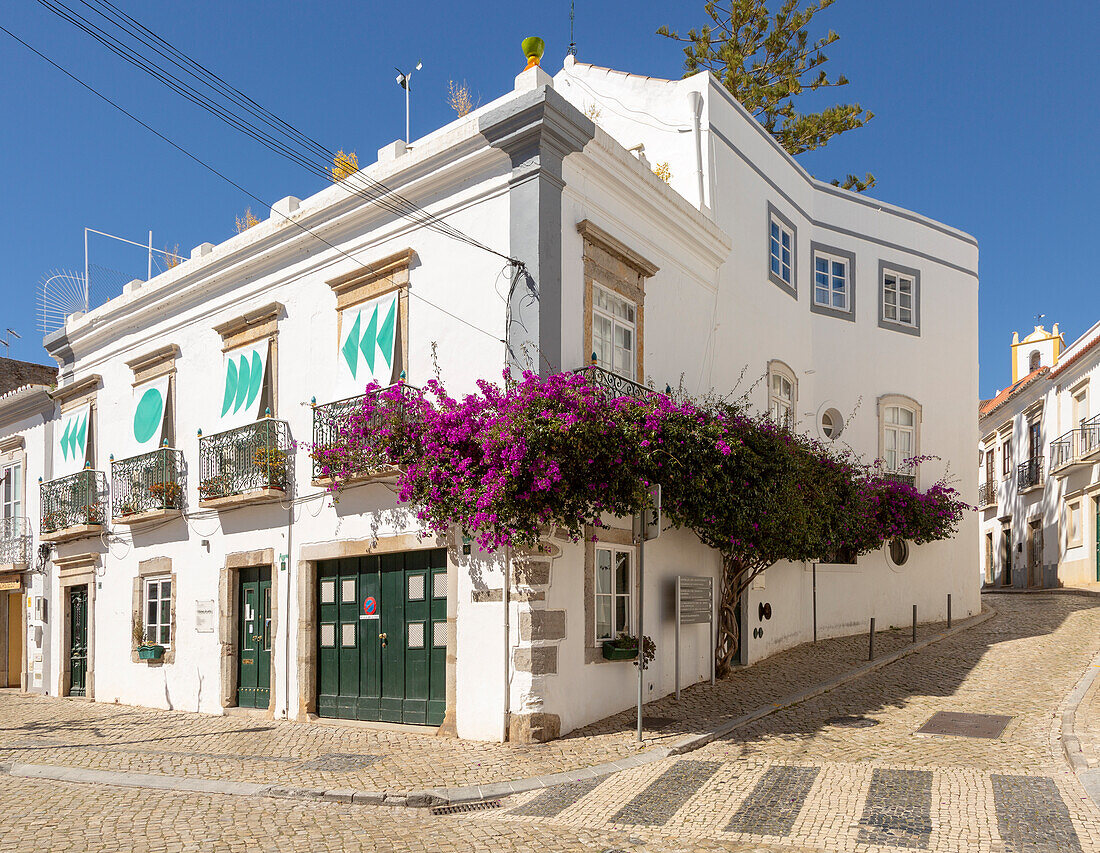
(60, 294)
(1039, 319)
(404, 81)
(7, 343)
(572, 41)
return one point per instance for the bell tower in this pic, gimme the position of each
(1039, 349)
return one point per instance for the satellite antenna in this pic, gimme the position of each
(7, 343)
(404, 81)
(60, 294)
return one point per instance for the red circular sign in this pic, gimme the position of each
(370, 605)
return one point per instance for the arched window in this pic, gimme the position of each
(899, 435)
(1034, 360)
(782, 393)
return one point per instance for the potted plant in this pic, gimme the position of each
(625, 647)
(166, 495)
(146, 649)
(215, 487)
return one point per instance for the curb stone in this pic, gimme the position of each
(476, 793)
(1071, 743)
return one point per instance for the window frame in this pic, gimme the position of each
(613, 549)
(784, 224)
(776, 369)
(1006, 457)
(164, 608)
(18, 483)
(833, 255)
(886, 268)
(1075, 537)
(616, 321)
(886, 402)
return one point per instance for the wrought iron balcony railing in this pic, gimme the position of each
(79, 499)
(1076, 445)
(612, 384)
(1030, 474)
(246, 459)
(15, 540)
(987, 493)
(330, 419)
(146, 483)
(906, 476)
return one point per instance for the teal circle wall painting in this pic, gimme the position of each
(148, 415)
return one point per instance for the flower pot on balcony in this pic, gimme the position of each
(151, 652)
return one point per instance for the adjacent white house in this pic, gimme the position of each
(1039, 466)
(183, 508)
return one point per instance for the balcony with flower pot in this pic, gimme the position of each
(15, 542)
(74, 507)
(245, 465)
(148, 487)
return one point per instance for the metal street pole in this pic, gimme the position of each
(641, 602)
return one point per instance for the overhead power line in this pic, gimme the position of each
(282, 138)
(231, 182)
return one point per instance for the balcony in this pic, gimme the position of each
(74, 507)
(987, 494)
(611, 384)
(15, 541)
(1076, 448)
(148, 487)
(906, 475)
(331, 420)
(244, 465)
(1029, 475)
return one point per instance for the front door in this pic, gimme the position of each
(15, 638)
(1097, 533)
(382, 637)
(1006, 563)
(254, 633)
(1035, 555)
(78, 640)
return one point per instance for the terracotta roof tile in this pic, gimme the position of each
(988, 406)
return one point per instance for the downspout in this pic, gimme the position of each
(506, 602)
(287, 622)
(696, 100)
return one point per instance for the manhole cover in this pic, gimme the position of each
(852, 721)
(965, 725)
(338, 762)
(657, 722)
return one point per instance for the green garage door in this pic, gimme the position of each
(382, 637)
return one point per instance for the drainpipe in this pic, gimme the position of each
(505, 599)
(287, 622)
(696, 100)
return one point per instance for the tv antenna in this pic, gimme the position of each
(572, 41)
(6, 342)
(1039, 319)
(404, 80)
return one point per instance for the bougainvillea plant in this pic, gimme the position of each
(511, 462)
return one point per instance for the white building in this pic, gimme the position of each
(266, 595)
(1039, 477)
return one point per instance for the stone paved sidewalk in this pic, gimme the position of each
(42, 730)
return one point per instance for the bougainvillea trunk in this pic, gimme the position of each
(729, 635)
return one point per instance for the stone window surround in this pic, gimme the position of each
(228, 605)
(1077, 503)
(154, 365)
(252, 327)
(76, 570)
(781, 368)
(601, 253)
(307, 663)
(623, 538)
(371, 281)
(156, 567)
(906, 402)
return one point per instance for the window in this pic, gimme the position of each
(1034, 440)
(613, 332)
(782, 245)
(11, 491)
(781, 399)
(158, 611)
(899, 552)
(832, 424)
(899, 299)
(899, 434)
(782, 268)
(1034, 361)
(834, 282)
(1073, 524)
(1080, 406)
(613, 592)
(1006, 457)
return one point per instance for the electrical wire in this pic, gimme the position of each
(316, 157)
(234, 184)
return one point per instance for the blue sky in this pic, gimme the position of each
(986, 119)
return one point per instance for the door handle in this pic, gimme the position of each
(382, 637)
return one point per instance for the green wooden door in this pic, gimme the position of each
(382, 638)
(78, 640)
(254, 634)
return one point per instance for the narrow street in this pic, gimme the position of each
(845, 771)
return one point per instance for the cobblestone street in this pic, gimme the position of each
(844, 771)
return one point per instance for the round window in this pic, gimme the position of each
(832, 424)
(899, 552)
